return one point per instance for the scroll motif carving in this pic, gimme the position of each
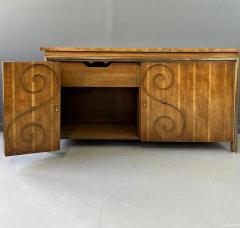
(32, 135)
(156, 78)
(166, 125)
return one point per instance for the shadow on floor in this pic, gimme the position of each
(157, 145)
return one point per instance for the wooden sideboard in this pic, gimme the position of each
(147, 94)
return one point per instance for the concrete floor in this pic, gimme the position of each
(122, 185)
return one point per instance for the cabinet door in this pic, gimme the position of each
(187, 101)
(31, 107)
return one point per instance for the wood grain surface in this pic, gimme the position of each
(188, 101)
(137, 54)
(223, 50)
(76, 74)
(31, 107)
(151, 94)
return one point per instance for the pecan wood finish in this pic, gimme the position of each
(147, 94)
(31, 103)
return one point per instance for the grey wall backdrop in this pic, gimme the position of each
(28, 24)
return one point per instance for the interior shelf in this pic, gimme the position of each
(99, 113)
(108, 131)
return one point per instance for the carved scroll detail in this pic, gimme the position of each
(161, 81)
(163, 124)
(32, 135)
(166, 125)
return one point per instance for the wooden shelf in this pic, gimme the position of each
(77, 130)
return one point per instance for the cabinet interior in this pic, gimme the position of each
(99, 113)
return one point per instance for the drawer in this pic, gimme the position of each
(100, 74)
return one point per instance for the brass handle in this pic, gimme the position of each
(144, 104)
(56, 108)
(33, 108)
(163, 101)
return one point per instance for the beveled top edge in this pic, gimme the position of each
(213, 50)
(169, 50)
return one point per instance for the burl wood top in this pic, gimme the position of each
(171, 50)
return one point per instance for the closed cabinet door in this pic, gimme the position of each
(31, 107)
(188, 101)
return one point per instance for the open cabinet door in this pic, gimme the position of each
(31, 98)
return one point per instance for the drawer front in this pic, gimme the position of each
(77, 74)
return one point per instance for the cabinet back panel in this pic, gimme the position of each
(98, 105)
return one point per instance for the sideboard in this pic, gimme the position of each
(146, 94)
